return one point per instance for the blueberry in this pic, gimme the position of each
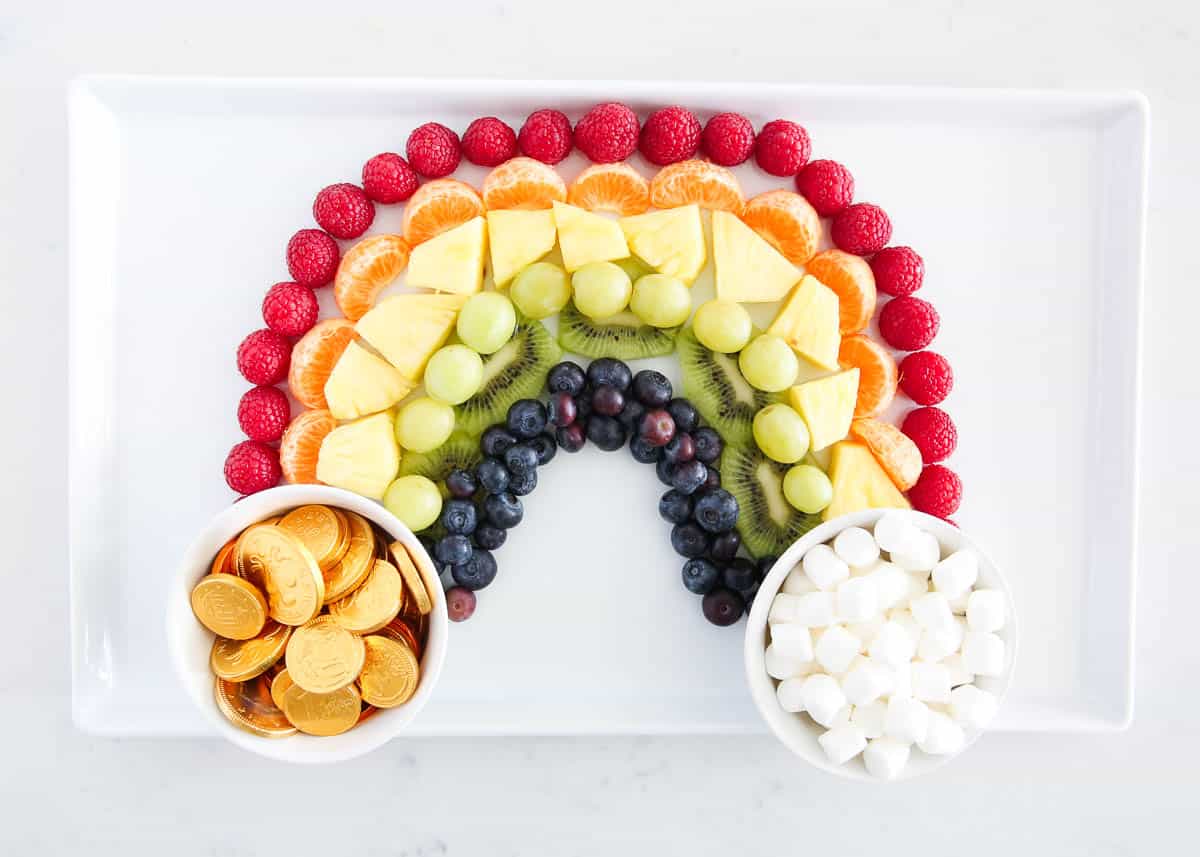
(583, 406)
(571, 438)
(521, 458)
(724, 547)
(687, 476)
(566, 377)
(717, 511)
(489, 537)
(765, 563)
(609, 370)
(723, 606)
(664, 469)
(689, 540)
(675, 507)
(605, 432)
(631, 415)
(495, 440)
(680, 448)
(477, 572)
(492, 475)
(503, 511)
(453, 550)
(684, 413)
(748, 595)
(644, 452)
(740, 574)
(461, 484)
(458, 517)
(652, 388)
(545, 448)
(700, 576)
(708, 444)
(608, 401)
(712, 479)
(526, 418)
(657, 427)
(523, 483)
(562, 409)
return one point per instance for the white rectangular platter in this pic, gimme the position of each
(1028, 210)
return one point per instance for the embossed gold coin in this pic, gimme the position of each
(248, 705)
(390, 673)
(242, 660)
(403, 630)
(229, 606)
(322, 656)
(223, 562)
(322, 713)
(280, 565)
(320, 529)
(413, 579)
(279, 686)
(373, 604)
(352, 569)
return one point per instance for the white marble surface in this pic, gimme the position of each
(1122, 794)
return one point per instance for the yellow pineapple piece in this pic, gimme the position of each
(361, 456)
(670, 241)
(808, 321)
(859, 482)
(407, 329)
(585, 237)
(749, 270)
(827, 405)
(362, 383)
(452, 261)
(518, 239)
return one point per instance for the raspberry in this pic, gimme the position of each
(263, 413)
(938, 491)
(728, 139)
(908, 323)
(827, 185)
(546, 136)
(898, 270)
(932, 430)
(290, 309)
(926, 377)
(388, 178)
(607, 133)
(263, 357)
(489, 142)
(312, 258)
(669, 135)
(343, 210)
(861, 229)
(433, 150)
(782, 148)
(252, 466)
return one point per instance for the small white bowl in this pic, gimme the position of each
(797, 731)
(191, 643)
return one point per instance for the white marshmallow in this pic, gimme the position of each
(797, 582)
(843, 743)
(857, 600)
(825, 568)
(918, 585)
(892, 584)
(792, 640)
(907, 719)
(931, 610)
(901, 680)
(867, 630)
(814, 610)
(856, 547)
(894, 530)
(942, 736)
(783, 608)
(836, 649)
(905, 619)
(930, 682)
(959, 674)
(790, 694)
(983, 653)
(842, 718)
(823, 698)
(985, 610)
(866, 682)
(958, 606)
(869, 718)
(939, 643)
(782, 666)
(892, 644)
(885, 758)
(920, 553)
(854, 662)
(956, 574)
(971, 707)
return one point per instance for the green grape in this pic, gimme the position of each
(722, 326)
(454, 374)
(415, 500)
(807, 488)
(487, 321)
(661, 301)
(781, 433)
(634, 267)
(541, 290)
(424, 424)
(769, 364)
(601, 289)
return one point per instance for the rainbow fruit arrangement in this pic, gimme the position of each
(443, 398)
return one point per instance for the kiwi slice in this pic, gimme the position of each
(714, 384)
(516, 371)
(459, 452)
(767, 522)
(624, 336)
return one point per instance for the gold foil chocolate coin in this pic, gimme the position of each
(242, 660)
(229, 606)
(348, 573)
(373, 604)
(322, 656)
(390, 672)
(322, 713)
(223, 561)
(400, 630)
(248, 705)
(279, 564)
(413, 582)
(320, 529)
(279, 686)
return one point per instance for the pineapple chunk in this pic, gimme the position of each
(362, 383)
(362, 456)
(518, 239)
(827, 405)
(858, 482)
(749, 269)
(670, 241)
(585, 237)
(809, 323)
(452, 261)
(407, 329)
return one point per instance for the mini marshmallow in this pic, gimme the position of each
(905, 619)
(843, 743)
(892, 644)
(836, 649)
(942, 736)
(932, 611)
(983, 653)
(842, 718)
(792, 640)
(959, 674)
(857, 600)
(780, 665)
(958, 606)
(956, 574)
(866, 682)
(867, 630)
(825, 568)
(869, 718)
(985, 610)
(939, 643)
(894, 530)
(854, 662)
(920, 553)
(918, 584)
(892, 584)
(814, 610)
(885, 758)
(791, 695)
(856, 547)
(797, 582)
(783, 608)
(930, 682)
(901, 681)
(971, 707)
(823, 698)
(907, 719)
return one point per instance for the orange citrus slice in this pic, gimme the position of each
(895, 452)
(437, 206)
(367, 269)
(523, 183)
(877, 375)
(787, 221)
(313, 359)
(611, 187)
(301, 444)
(700, 182)
(850, 278)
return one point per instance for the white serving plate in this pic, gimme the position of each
(1028, 208)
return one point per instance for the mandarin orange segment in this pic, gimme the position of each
(618, 188)
(850, 278)
(877, 375)
(313, 359)
(896, 453)
(787, 221)
(437, 206)
(523, 183)
(700, 182)
(301, 444)
(368, 268)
